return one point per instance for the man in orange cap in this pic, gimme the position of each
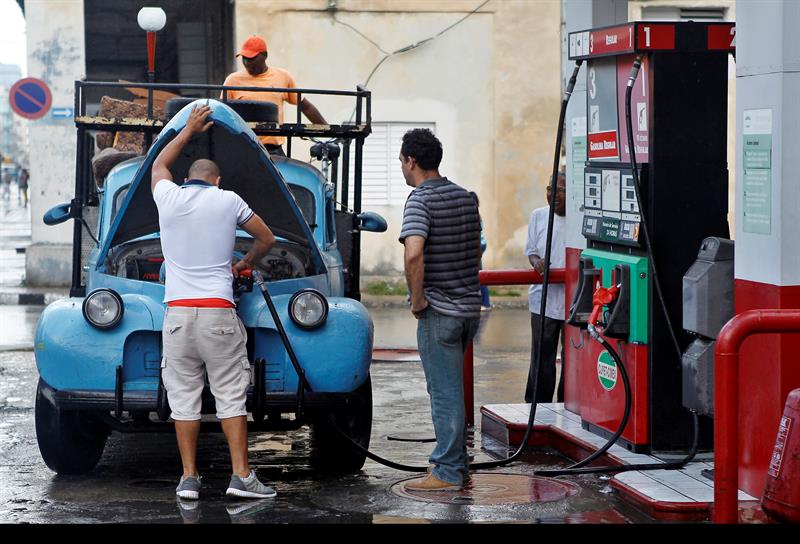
(257, 74)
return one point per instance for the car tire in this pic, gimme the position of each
(331, 451)
(252, 111)
(69, 441)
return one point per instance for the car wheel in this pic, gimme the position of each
(331, 451)
(70, 441)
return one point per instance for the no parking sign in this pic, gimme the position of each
(30, 98)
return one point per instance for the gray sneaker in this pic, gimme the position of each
(188, 488)
(249, 488)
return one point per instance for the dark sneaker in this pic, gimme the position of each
(188, 488)
(249, 488)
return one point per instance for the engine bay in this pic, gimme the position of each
(143, 260)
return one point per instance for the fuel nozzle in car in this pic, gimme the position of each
(242, 283)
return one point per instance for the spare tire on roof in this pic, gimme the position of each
(252, 111)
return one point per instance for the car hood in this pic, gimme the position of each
(245, 168)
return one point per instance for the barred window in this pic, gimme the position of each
(382, 180)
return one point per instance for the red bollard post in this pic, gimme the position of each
(469, 391)
(498, 277)
(726, 400)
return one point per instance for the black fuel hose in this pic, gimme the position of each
(545, 277)
(543, 305)
(576, 468)
(637, 64)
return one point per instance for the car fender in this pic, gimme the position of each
(335, 357)
(72, 354)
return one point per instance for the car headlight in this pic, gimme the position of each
(308, 309)
(103, 308)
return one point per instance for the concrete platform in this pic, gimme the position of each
(664, 494)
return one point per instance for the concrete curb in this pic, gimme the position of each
(30, 298)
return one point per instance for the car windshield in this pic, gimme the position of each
(305, 201)
(119, 198)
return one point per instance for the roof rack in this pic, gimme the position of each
(361, 128)
(346, 135)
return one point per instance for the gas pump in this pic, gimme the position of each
(645, 212)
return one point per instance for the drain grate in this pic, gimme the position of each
(494, 489)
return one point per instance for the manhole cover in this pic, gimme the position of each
(492, 489)
(396, 355)
(412, 437)
(152, 484)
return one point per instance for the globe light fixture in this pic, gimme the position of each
(151, 20)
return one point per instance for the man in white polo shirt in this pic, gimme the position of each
(202, 333)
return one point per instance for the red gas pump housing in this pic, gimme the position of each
(679, 132)
(782, 494)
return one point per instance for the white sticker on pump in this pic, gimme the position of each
(578, 127)
(757, 122)
(611, 190)
(594, 118)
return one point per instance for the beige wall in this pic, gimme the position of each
(491, 85)
(55, 43)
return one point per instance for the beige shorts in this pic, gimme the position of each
(197, 341)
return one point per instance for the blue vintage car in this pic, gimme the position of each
(98, 352)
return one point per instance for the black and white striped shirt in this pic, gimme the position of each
(446, 215)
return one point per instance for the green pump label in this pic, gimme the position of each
(606, 371)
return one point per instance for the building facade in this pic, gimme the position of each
(485, 76)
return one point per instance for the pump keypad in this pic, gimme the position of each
(610, 206)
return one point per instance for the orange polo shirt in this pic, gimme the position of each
(273, 77)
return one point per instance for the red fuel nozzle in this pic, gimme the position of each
(602, 297)
(246, 273)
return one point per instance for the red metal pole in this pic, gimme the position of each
(518, 277)
(498, 277)
(726, 400)
(151, 51)
(469, 387)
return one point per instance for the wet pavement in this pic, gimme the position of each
(15, 236)
(135, 479)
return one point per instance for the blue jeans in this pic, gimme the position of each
(442, 341)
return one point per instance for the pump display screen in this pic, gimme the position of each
(610, 207)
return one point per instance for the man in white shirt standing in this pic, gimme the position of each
(554, 312)
(202, 333)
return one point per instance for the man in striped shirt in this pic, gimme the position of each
(442, 237)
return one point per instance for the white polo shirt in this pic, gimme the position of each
(198, 224)
(536, 244)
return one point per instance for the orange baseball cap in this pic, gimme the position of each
(252, 46)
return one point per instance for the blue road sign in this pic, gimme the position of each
(30, 98)
(61, 113)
